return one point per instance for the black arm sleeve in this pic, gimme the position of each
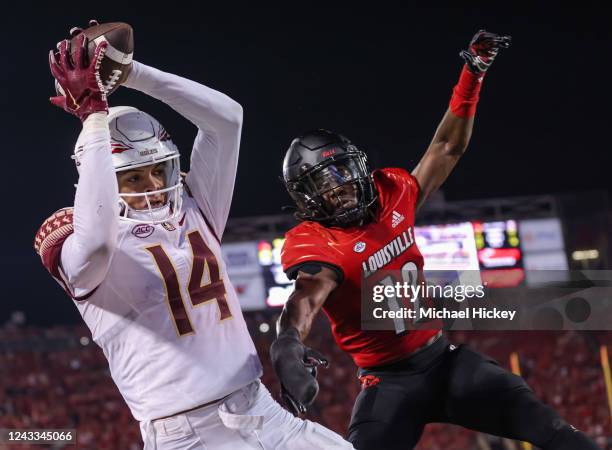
(314, 267)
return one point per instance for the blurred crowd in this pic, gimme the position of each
(57, 378)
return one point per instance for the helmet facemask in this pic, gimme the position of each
(171, 193)
(337, 192)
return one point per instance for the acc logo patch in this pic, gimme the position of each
(359, 247)
(143, 230)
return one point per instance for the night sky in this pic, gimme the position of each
(383, 77)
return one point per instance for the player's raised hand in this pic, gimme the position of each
(483, 49)
(296, 368)
(78, 78)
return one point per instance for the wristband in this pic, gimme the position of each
(95, 121)
(466, 94)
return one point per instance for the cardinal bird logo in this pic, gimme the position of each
(359, 247)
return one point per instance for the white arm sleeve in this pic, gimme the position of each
(214, 158)
(87, 252)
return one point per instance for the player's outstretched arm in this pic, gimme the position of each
(214, 159)
(294, 363)
(86, 253)
(453, 134)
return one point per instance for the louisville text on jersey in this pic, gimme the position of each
(391, 250)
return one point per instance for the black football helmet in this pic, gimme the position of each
(329, 179)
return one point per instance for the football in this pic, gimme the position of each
(117, 61)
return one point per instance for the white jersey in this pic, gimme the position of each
(160, 305)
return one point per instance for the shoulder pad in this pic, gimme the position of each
(391, 177)
(52, 234)
(309, 242)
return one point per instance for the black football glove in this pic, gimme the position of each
(296, 368)
(482, 51)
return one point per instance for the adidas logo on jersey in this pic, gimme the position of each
(396, 219)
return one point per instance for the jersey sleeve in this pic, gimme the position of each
(49, 242)
(50, 238)
(214, 157)
(413, 186)
(86, 253)
(304, 248)
(404, 181)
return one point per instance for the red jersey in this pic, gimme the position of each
(384, 243)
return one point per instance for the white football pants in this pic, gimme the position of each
(247, 419)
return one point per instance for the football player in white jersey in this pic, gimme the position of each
(139, 254)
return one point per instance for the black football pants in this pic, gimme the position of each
(445, 383)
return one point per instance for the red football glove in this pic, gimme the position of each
(483, 50)
(80, 79)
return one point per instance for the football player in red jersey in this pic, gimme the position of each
(349, 215)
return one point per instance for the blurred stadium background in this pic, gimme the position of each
(55, 377)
